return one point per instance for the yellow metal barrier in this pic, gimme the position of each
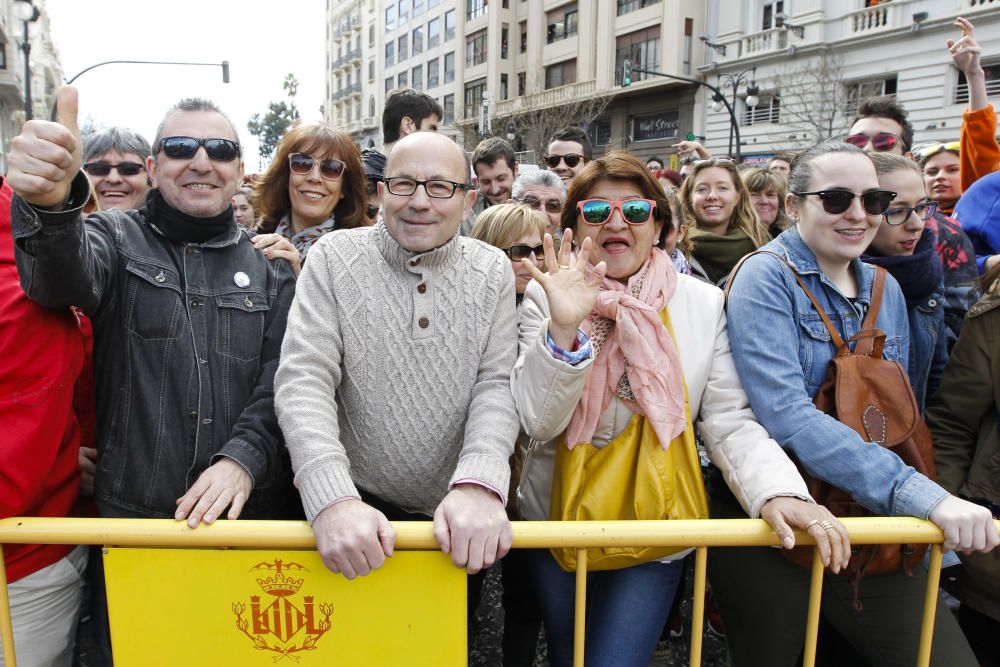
(536, 534)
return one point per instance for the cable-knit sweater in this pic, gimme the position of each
(395, 370)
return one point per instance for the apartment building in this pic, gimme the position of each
(493, 64)
(812, 61)
(46, 72)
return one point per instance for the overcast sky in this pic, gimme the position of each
(262, 40)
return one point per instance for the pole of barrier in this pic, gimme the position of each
(812, 619)
(6, 621)
(580, 617)
(930, 607)
(698, 609)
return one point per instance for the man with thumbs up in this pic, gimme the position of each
(188, 317)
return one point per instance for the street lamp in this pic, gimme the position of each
(224, 64)
(28, 14)
(752, 100)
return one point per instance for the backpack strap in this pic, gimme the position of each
(834, 334)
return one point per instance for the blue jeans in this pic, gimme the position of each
(626, 610)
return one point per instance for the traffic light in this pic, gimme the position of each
(627, 73)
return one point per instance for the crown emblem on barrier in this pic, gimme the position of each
(278, 616)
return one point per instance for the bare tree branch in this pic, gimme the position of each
(814, 99)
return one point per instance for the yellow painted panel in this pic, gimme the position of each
(249, 607)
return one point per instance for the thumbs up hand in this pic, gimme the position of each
(45, 158)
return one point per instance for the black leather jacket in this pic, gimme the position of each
(186, 344)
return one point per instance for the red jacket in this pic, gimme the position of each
(41, 355)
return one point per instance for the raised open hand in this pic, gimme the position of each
(571, 285)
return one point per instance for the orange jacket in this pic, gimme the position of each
(980, 152)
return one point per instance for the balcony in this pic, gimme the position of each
(347, 91)
(766, 41)
(349, 56)
(11, 87)
(568, 94)
(869, 20)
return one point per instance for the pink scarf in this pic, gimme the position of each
(638, 337)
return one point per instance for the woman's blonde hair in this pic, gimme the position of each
(743, 218)
(503, 224)
(761, 179)
(680, 219)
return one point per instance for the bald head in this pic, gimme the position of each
(434, 147)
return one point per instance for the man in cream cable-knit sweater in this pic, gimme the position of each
(393, 390)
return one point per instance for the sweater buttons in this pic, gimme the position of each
(422, 287)
(415, 262)
(424, 322)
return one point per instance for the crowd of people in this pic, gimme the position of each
(474, 341)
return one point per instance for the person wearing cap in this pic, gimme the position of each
(374, 164)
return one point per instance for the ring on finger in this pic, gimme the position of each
(564, 266)
(812, 523)
(826, 524)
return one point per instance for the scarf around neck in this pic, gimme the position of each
(307, 237)
(918, 274)
(638, 347)
(181, 227)
(719, 254)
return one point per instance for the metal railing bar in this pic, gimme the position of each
(812, 615)
(698, 606)
(930, 607)
(580, 616)
(6, 622)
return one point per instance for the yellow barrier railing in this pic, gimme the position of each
(527, 535)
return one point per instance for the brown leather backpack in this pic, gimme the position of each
(873, 396)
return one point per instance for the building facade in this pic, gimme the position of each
(519, 68)
(813, 60)
(46, 72)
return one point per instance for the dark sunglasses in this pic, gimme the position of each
(900, 214)
(331, 169)
(571, 160)
(881, 141)
(550, 205)
(184, 148)
(599, 211)
(104, 168)
(372, 211)
(875, 202)
(522, 251)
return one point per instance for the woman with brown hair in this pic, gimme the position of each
(726, 226)
(315, 184)
(619, 352)
(767, 196)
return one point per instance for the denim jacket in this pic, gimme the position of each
(186, 344)
(782, 350)
(928, 346)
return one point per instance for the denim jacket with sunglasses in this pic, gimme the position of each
(782, 350)
(186, 344)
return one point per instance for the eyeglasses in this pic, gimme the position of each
(371, 210)
(184, 148)
(881, 141)
(331, 169)
(522, 251)
(436, 188)
(928, 152)
(900, 214)
(571, 160)
(599, 211)
(875, 202)
(104, 168)
(550, 205)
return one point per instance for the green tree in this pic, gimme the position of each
(280, 116)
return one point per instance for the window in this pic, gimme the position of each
(768, 110)
(390, 53)
(522, 83)
(860, 90)
(371, 107)
(417, 40)
(475, 49)
(448, 103)
(371, 71)
(433, 3)
(688, 45)
(417, 77)
(433, 72)
(348, 79)
(401, 80)
(769, 17)
(357, 44)
(562, 23)
(449, 67)
(992, 84)
(418, 8)
(474, 9)
(626, 6)
(474, 97)
(433, 32)
(401, 49)
(642, 48)
(524, 36)
(404, 11)
(600, 132)
(449, 25)
(388, 83)
(371, 35)
(560, 74)
(390, 17)
(504, 93)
